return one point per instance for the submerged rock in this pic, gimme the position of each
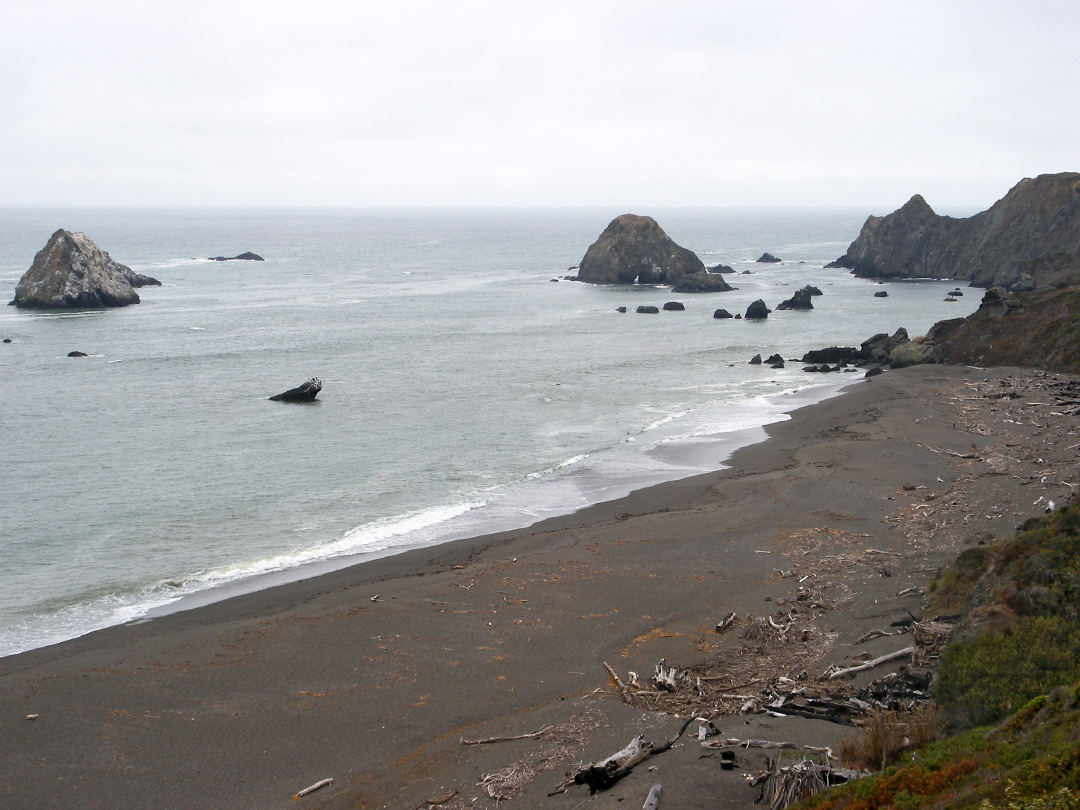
(77, 354)
(721, 313)
(647, 309)
(674, 306)
(302, 393)
(71, 272)
(768, 258)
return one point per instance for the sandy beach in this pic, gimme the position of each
(375, 675)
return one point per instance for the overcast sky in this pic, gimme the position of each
(628, 104)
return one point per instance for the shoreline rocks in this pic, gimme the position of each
(1033, 231)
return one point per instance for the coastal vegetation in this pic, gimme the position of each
(1008, 685)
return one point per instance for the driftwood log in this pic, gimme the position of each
(607, 772)
(840, 673)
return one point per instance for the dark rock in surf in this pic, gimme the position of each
(721, 313)
(768, 258)
(720, 268)
(755, 360)
(77, 354)
(702, 283)
(775, 360)
(647, 309)
(832, 354)
(620, 309)
(881, 294)
(302, 393)
(757, 311)
(674, 306)
(800, 300)
(246, 256)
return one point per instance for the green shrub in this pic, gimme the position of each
(984, 679)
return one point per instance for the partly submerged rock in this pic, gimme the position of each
(702, 283)
(647, 309)
(757, 311)
(77, 353)
(800, 300)
(246, 256)
(881, 294)
(635, 249)
(71, 272)
(722, 314)
(302, 393)
(721, 268)
(768, 258)
(674, 306)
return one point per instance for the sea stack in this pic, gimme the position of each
(634, 249)
(71, 272)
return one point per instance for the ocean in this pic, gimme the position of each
(463, 390)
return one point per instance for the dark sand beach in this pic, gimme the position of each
(374, 675)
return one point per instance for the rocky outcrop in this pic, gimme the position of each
(634, 249)
(246, 256)
(800, 300)
(71, 272)
(302, 393)
(721, 268)
(757, 310)
(878, 348)
(721, 314)
(702, 283)
(674, 306)
(768, 258)
(1020, 234)
(647, 309)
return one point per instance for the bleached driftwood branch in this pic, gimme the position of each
(653, 800)
(840, 673)
(488, 740)
(618, 683)
(312, 788)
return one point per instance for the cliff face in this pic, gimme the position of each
(1039, 218)
(635, 249)
(71, 272)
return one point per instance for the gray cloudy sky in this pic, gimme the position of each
(556, 103)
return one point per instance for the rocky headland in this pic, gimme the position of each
(1030, 237)
(71, 272)
(635, 249)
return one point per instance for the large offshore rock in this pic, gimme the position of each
(71, 272)
(635, 249)
(1034, 229)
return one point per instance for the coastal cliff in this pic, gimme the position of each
(1030, 237)
(71, 272)
(635, 249)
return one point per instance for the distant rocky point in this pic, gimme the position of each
(71, 272)
(247, 256)
(635, 249)
(1030, 237)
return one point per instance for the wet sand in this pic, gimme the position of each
(374, 674)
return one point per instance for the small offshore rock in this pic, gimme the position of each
(757, 311)
(776, 361)
(674, 306)
(620, 309)
(881, 294)
(7, 340)
(302, 393)
(768, 258)
(800, 300)
(755, 360)
(246, 256)
(77, 354)
(646, 309)
(812, 289)
(721, 313)
(720, 268)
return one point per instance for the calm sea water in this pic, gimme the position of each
(463, 390)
